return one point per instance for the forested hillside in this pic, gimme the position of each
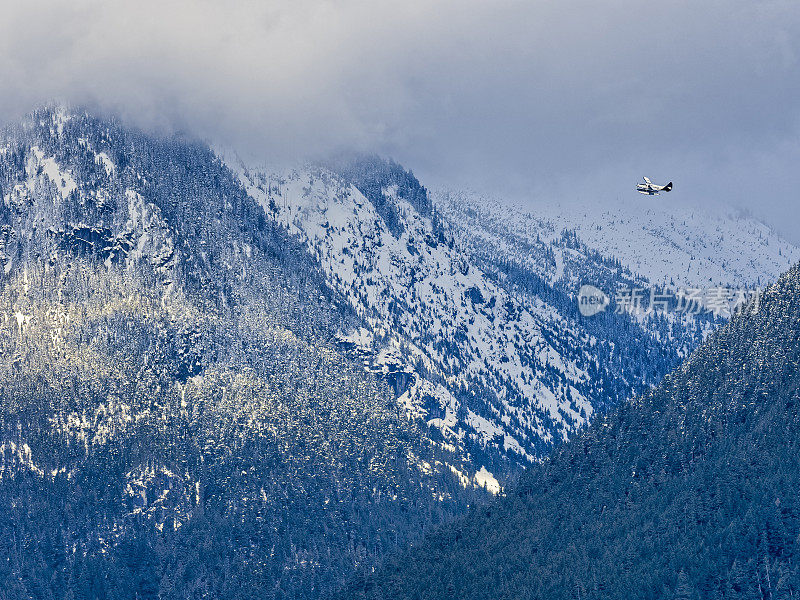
(176, 420)
(688, 491)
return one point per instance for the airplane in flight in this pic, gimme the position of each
(648, 187)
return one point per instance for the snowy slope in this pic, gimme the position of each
(467, 310)
(421, 297)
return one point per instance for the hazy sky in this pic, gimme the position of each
(537, 100)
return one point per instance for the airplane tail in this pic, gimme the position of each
(668, 187)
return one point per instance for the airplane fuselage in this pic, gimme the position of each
(651, 189)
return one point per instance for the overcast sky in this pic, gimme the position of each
(540, 101)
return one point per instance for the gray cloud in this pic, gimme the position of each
(537, 100)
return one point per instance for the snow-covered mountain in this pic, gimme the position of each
(208, 370)
(176, 419)
(665, 243)
(474, 302)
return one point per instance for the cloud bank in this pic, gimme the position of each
(538, 100)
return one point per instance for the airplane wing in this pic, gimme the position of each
(646, 180)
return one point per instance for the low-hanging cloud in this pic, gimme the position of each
(538, 100)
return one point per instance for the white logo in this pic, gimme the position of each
(591, 300)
